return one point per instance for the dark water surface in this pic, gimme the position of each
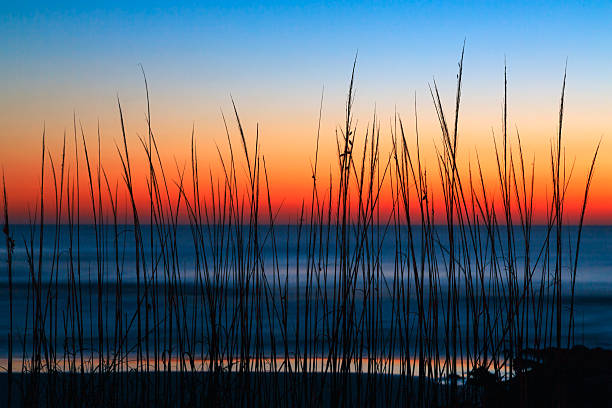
(279, 264)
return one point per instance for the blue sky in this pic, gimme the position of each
(274, 59)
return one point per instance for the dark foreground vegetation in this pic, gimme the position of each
(576, 377)
(309, 314)
(548, 378)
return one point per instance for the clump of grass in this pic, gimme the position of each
(228, 300)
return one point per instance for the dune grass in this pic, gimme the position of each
(267, 306)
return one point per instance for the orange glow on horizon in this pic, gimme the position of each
(289, 177)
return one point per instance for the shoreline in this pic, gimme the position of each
(572, 377)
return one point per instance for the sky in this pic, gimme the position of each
(65, 60)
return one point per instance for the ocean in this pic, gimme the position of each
(290, 288)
